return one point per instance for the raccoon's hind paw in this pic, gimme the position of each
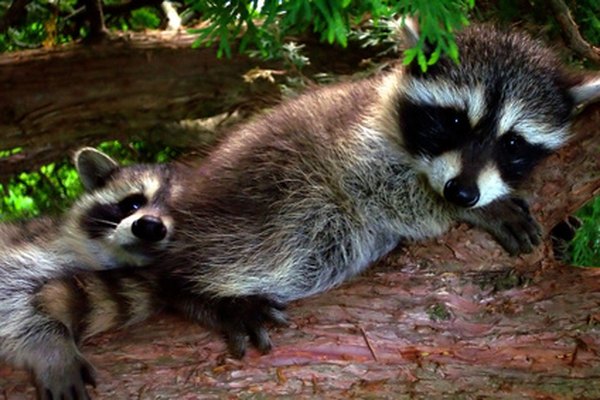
(510, 223)
(246, 318)
(66, 383)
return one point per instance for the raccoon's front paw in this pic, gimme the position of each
(245, 317)
(510, 223)
(519, 231)
(66, 382)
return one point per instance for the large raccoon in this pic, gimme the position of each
(122, 220)
(312, 192)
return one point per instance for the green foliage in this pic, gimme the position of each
(333, 21)
(437, 23)
(143, 18)
(587, 14)
(31, 35)
(42, 25)
(139, 152)
(537, 16)
(262, 26)
(47, 190)
(49, 23)
(585, 248)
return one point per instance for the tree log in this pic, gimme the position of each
(451, 318)
(570, 32)
(134, 85)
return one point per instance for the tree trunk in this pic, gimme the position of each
(452, 318)
(134, 85)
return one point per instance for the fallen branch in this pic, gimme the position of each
(570, 31)
(131, 86)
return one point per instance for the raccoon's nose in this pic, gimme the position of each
(461, 195)
(149, 228)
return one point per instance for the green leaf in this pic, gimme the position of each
(409, 55)
(453, 50)
(435, 56)
(422, 60)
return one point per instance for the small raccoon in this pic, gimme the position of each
(312, 192)
(122, 220)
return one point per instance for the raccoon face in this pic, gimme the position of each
(477, 129)
(124, 216)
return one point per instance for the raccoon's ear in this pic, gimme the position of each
(94, 167)
(410, 35)
(586, 91)
(409, 31)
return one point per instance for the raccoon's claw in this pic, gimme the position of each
(68, 383)
(519, 232)
(511, 224)
(246, 317)
(88, 374)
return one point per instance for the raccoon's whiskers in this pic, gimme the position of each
(103, 221)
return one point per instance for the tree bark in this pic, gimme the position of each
(451, 318)
(134, 85)
(95, 17)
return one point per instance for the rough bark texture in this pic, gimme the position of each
(452, 318)
(132, 85)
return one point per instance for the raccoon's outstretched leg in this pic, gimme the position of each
(509, 222)
(237, 319)
(59, 371)
(65, 380)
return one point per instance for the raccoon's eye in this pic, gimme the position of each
(512, 142)
(132, 203)
(456, 121)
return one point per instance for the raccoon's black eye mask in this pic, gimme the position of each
(512, 142)
(132, 203)
(433, 130)
(102, 218)
(516, 157)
